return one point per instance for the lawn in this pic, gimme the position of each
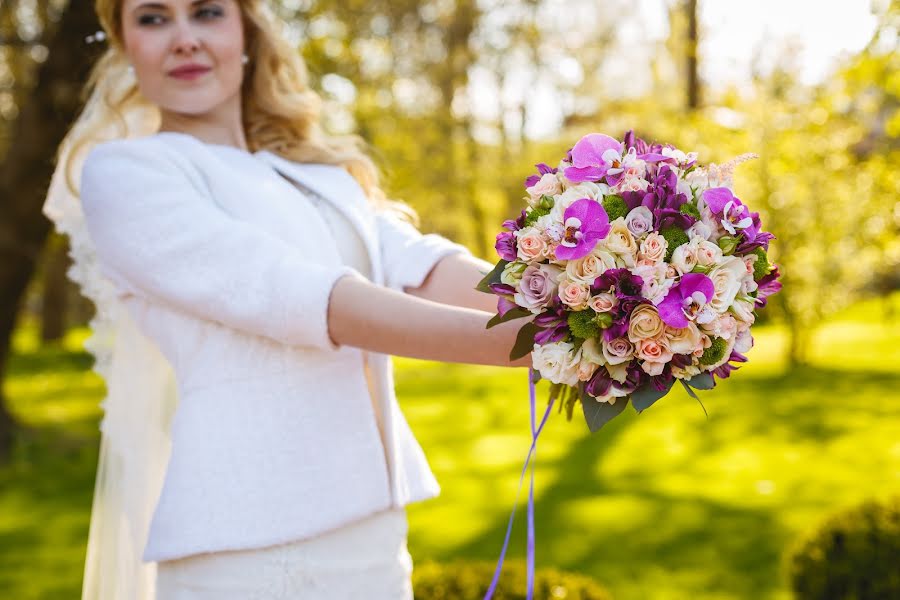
(664, 505)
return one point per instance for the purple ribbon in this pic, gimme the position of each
(534, 438)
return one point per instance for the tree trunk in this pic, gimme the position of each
(26, 170)
(55, 289)
(693, 79)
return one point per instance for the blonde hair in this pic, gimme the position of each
(280, 112)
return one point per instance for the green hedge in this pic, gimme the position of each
(853, 555)
(469, 580)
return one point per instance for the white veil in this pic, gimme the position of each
(140, 398)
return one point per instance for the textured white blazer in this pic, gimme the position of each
(228, 268)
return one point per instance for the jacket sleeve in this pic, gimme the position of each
(156, 235)
(408, 255)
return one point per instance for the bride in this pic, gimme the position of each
(251, 282)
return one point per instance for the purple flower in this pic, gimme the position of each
(590, 159)
(622, 282)
(664, 200)
(586, 223)
(725, 369)
(506, 245)
(554, 323)
(687, 301)
(768, 285)
(543, 169)
(731, 211)
(599, 384)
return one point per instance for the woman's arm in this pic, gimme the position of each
(453, 280)
(376, 318)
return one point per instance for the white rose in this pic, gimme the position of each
(699, 230)
(708, 253)
(588, 268)
(726, 278)
(590, 351)
(743, 311)
(577, 192)
(556, 362)
(548, 185)
(684, 258)
(621, 242)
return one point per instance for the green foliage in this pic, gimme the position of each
(536, 213)
(853, 555)
(615, 207)
(674, 236)
(464, 580)
(582, 323)
(715, 352)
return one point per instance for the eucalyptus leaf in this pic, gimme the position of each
(492, 277)
(643, 399)
(702, 381)
(524, 342)
(597, 414)
(513, 313)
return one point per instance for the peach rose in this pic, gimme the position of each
(531, 244)
(603, 302)
(654, 350)
(548, 185)
(653, 248)
(574, 294)
(683, 340)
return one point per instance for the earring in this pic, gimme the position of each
(245, 59)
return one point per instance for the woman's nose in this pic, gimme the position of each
(186, 39)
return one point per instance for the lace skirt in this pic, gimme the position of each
(365, 559)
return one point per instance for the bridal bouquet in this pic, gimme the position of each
(637, 266)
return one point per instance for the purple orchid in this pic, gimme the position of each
(505, 294)
(753, 237)
(688, 301)
(592, 156)
(732, 213)
(586, 223)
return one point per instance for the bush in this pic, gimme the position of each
(468, 580)
(853, 555)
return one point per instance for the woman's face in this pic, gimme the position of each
(161, 36)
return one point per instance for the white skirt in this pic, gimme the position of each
(365, 559)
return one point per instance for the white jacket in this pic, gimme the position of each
(228, 268)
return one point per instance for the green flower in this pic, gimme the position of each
(615, 207)
(761, 266)
(536, 213)
(582, 323)
(689, 209)
(728, 243)
(715, 352)
(675, 236)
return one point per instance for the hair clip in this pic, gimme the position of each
(99, 36)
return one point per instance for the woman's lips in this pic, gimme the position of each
(190, 74)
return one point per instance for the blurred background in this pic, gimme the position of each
(791, 479)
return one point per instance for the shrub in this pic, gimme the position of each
(469, 580)
(853, 555)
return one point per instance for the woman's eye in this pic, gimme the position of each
(210, 12)
(148, 19)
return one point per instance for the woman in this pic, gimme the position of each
(222, 227)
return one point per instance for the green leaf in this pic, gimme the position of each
(693, 395)
(513, 313)
(524, 342)
(597, 414)
(492, 277)
(643, 399)
(702, 381)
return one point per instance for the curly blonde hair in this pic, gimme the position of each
(280, 112)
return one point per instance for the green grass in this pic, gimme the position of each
(663, 505)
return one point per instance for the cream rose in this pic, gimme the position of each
(708, 254)
(743, 311)
(645, 323)
(618, 351)
(591, 351)
(683, 340)
(603, 302)
(653, 248)
(620, 242)
(588, 268)
(574, 294)
(586, 369)
(556, 362)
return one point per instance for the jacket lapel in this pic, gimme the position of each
(337, 186)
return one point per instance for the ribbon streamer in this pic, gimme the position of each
(530, 559)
